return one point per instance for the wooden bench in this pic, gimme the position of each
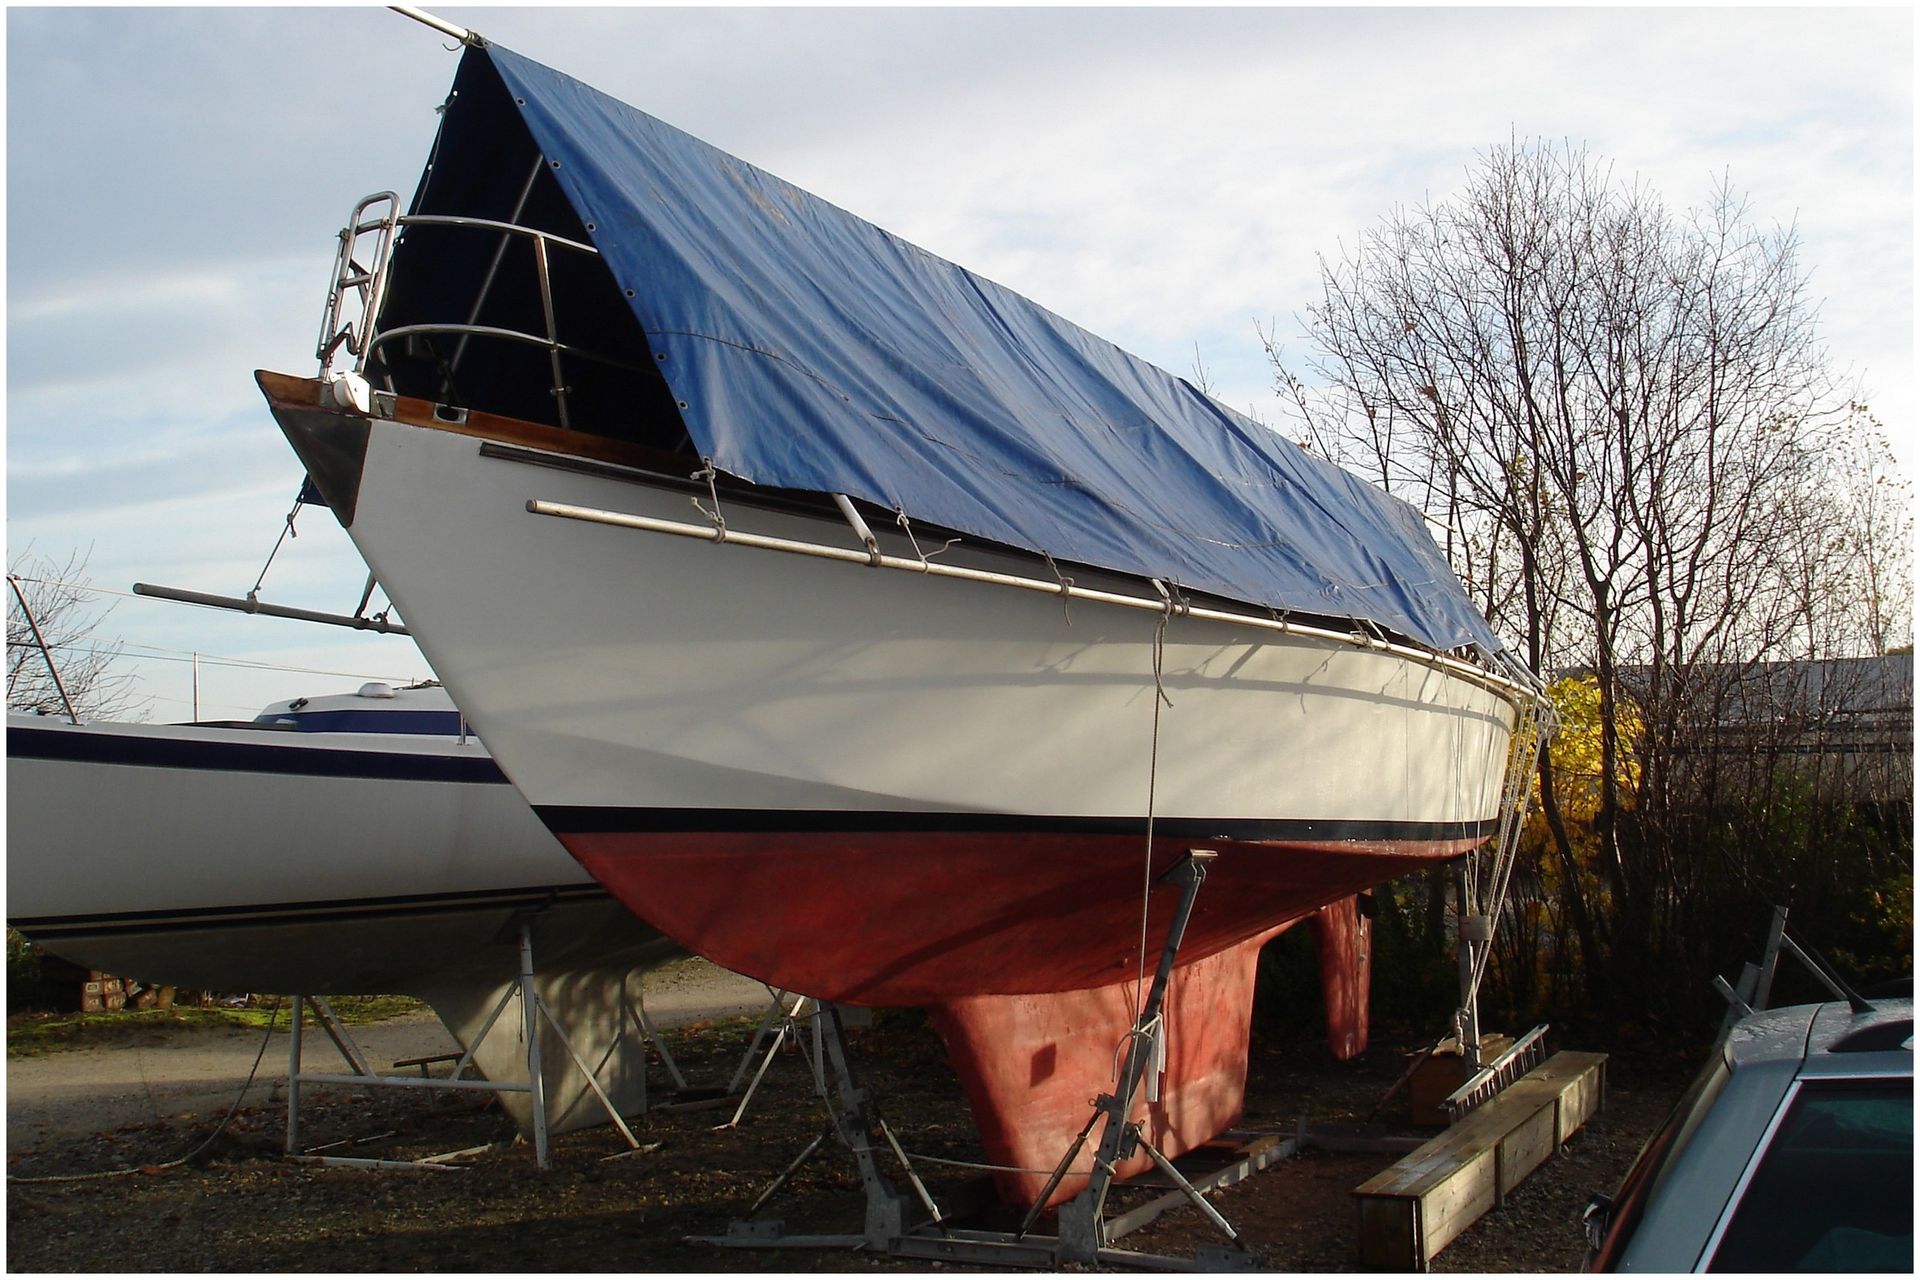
(1414, 1209)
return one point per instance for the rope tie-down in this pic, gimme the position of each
(1153, 774)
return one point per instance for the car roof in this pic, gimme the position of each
(1826, 1039)
(1874, 1041)
(1764, 1054)
(1770, 1036)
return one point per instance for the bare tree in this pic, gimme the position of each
(1624, 420)
(53, 620)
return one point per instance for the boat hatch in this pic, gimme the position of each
(489, 293)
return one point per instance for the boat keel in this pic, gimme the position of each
(1032, 1065)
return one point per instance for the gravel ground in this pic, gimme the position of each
(239, 1206)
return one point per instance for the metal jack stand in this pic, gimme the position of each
(365, 1075)
(1484, 1079)
(855, 1122)
(1085, 1235)
(1755, 988)
(646, 1035)
(532, 1009)
(1084, 1231)
(789, 1020)
(1475, 942)
(1479, 900)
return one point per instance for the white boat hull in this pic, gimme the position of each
(237, 859)
(695, 718)
(612, 667)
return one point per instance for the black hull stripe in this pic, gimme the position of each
(604, 820)
(27, 743)
(336, 910)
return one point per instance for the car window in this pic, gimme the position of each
(1834, 1189)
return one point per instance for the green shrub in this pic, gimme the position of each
(26, 982)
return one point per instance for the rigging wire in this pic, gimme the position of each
(1153, 779)
(286, 531)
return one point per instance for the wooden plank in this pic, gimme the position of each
(1390, 1235)
(1525, 1148)
(1459, 1202)
(1583, 1090)
(1573, 1082)
(1479, 1130)
(1409, 1212)
(1400, 1230)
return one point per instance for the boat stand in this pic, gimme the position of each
(644, 1031)
(856, 1123)
(789, 1020)
(532, 1008)
(1086, 1235)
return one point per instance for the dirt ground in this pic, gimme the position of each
(240, 1206)
(146, 1069)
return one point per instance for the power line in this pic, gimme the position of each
(153, 653)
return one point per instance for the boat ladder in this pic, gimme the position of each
(354, 298)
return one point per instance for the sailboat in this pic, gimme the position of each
(870, 629)
(338, 844)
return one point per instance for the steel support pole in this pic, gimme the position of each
(649, 1036)
(250, 605)
(1466, 918)
(530, 1017)
(593, 1081)
(293, 1076)
(441, 25)
(1082, 1234)
(1770, 958)
(775, 1011)
(342, 1038)
(886, 1219)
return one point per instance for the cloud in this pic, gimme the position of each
(1164, 177)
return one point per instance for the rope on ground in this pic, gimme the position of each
(974, 1164)
(258, 1058)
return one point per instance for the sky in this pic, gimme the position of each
(1168, 178)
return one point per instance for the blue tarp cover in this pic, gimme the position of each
(815, 351)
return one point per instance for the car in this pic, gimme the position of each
(1791, 1151)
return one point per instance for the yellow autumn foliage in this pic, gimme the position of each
(1575, 751)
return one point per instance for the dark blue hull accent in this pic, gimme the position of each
(27, 743)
